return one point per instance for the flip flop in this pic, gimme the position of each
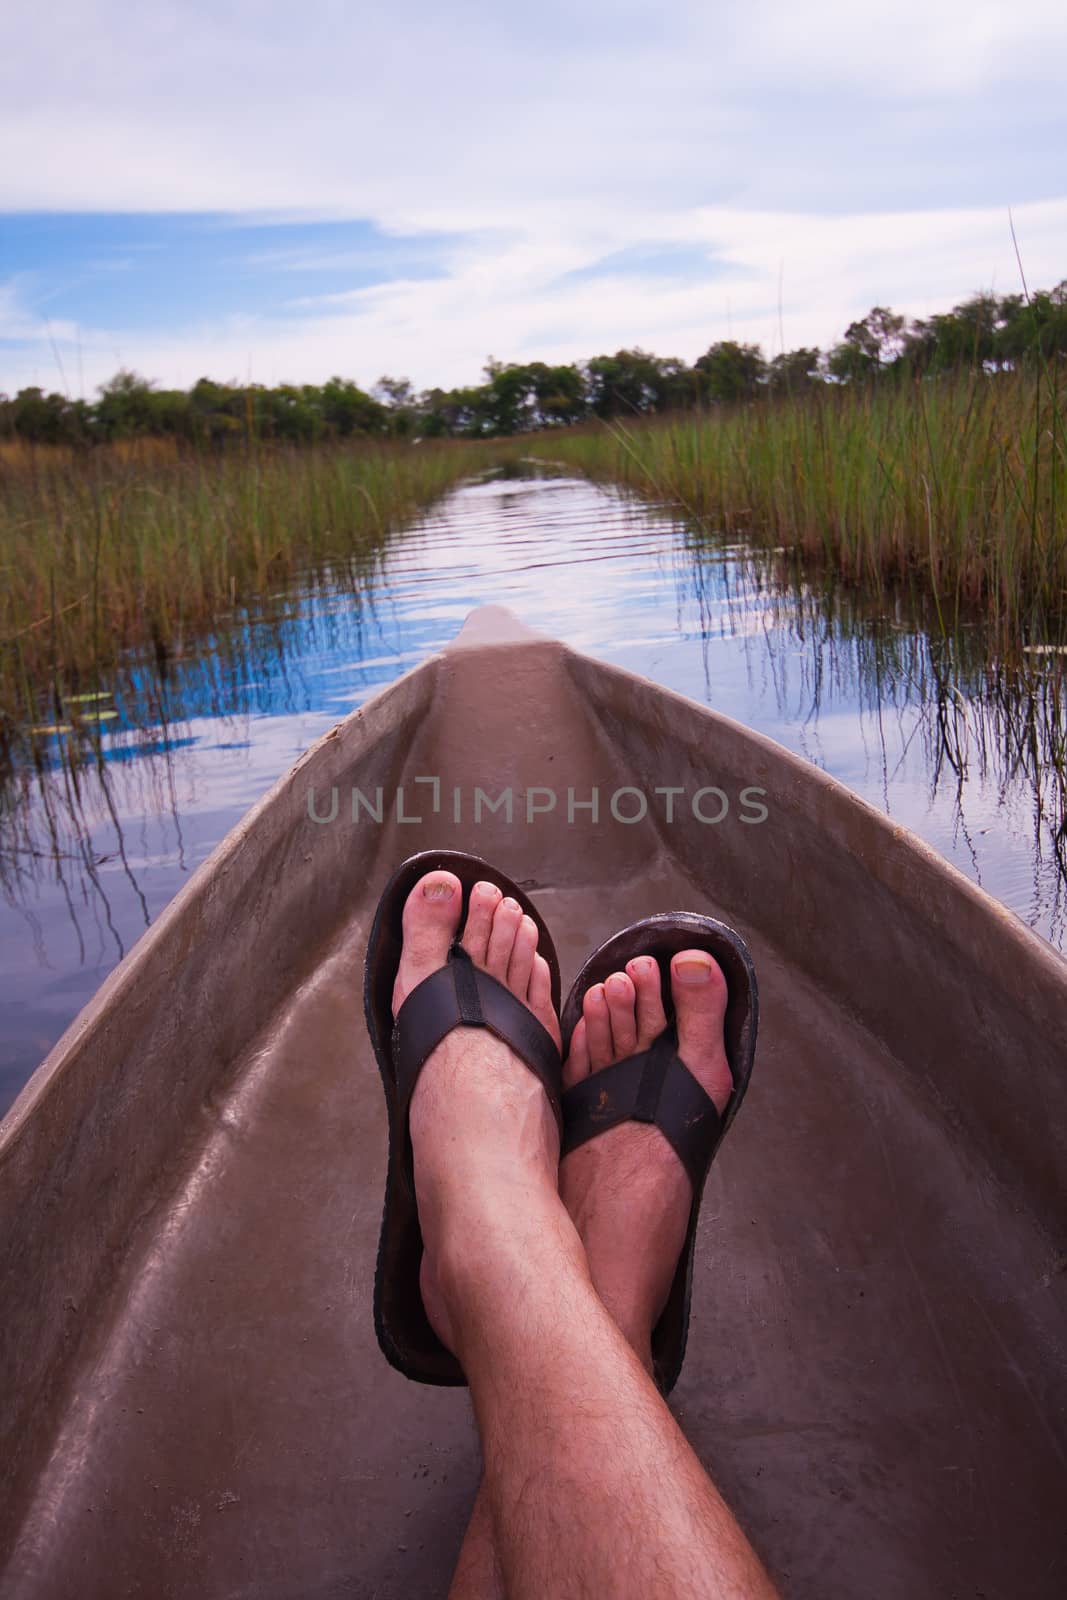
(656, 1086)
(459, 994)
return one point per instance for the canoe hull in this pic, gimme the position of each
(191, 1184)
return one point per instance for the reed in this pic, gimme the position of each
(144, 546)
(954, 488)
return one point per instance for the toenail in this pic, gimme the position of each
(693, 971)
(617, 985)
(512, 905)
(437, 889)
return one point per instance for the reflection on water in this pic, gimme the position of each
(92, 848)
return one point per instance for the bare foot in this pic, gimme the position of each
(626, 1190)
(484, 1139)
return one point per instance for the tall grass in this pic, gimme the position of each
(954, 488)
(940, 503)
(147, 547)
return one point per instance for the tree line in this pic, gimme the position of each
(986, 333)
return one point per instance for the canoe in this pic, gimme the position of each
(194, 1404)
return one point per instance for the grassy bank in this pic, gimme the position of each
(955, 488)
(146, 546)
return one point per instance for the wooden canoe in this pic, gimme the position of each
(193, 1402)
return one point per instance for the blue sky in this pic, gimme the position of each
(127, 270)
(282, 193)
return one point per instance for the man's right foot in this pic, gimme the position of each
(626, 1190)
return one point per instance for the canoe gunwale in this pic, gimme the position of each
(67, 1169)
(896, 908)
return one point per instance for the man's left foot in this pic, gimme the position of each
(626, 1190)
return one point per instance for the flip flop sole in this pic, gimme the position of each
(404, 1333)
(663, 936)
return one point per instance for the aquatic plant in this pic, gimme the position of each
(143, 545)
(953, 488)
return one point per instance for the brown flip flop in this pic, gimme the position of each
(459, 994)
(656, 1086)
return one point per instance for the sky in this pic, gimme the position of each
(277, 193)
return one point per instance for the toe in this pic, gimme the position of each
(597, 1027)
(485, 897)
(431, 913)
(539, 997)
(699, 991)
(621, 998)
(651, 1017)
(507, 919)
(576, 1065)
(520, 967)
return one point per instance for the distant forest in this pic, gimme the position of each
(985, 333)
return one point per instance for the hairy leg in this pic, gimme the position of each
(478, 1575)
(590, 1485)
(592, 1488)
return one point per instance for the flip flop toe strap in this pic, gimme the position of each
(653, 1086)
(462, 995)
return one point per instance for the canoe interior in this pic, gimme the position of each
(190, 1187)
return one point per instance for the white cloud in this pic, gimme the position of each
(868, 153)
(394, 112)
(891, 49)
(505, 297)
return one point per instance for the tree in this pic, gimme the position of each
(448, 413)
(965, 337)
(678, 386)
(558, 395)
(398, 399)
(887, 330)
(125, 409)
(629, 383)
(216, 411)
(870, 345)
(346, 410)
(1039, 327)
(794, 371)
(731, 371)
(394, 392)
(919, 348)
(983, 332)
(507, 398)
(41, 418)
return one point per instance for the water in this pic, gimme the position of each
(88, 859)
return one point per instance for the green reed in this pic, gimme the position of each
(118, 549)
(954, 488)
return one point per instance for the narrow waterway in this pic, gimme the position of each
(88, 856)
